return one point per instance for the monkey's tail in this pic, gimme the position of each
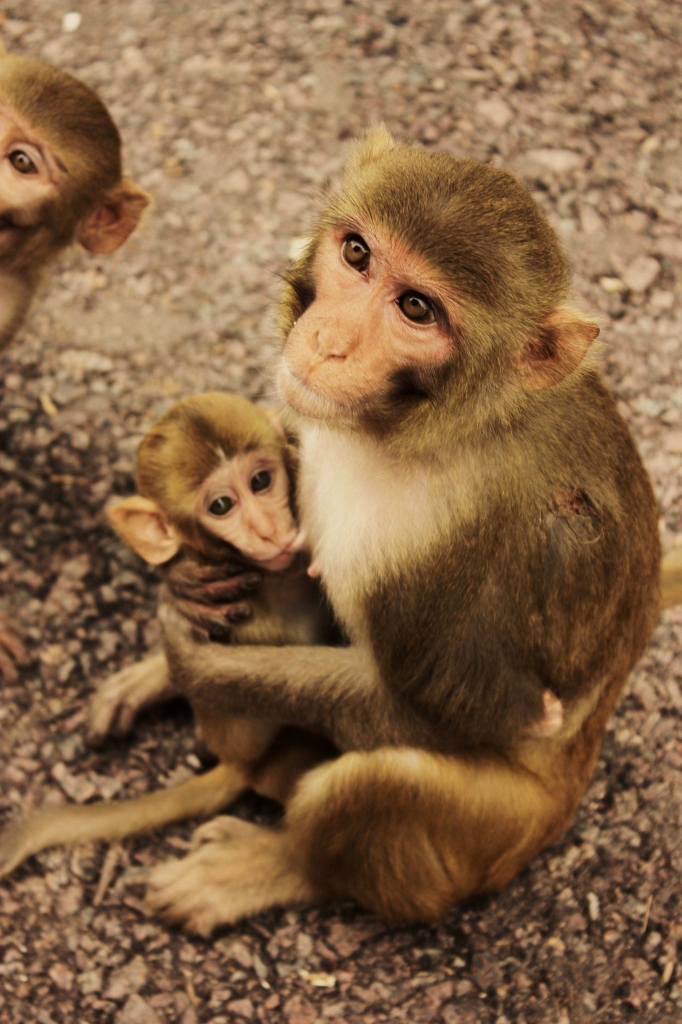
(199, 797)
(671, 578)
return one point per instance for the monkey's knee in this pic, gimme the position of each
(373, 830)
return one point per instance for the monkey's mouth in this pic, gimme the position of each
(281, 561)
(303, 399)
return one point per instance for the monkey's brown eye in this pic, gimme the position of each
(221, 506)
(356, 253)
(22, 163)
(416, 308)
(261, 481)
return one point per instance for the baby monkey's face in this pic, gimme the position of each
(246, 503)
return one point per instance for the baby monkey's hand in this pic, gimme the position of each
(211, 594)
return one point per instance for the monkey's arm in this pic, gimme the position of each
(334, 691)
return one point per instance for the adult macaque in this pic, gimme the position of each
(484, 529)
(214, 476)
(60, 180)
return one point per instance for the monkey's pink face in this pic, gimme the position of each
(30, 173)
(379, 311)
(246, 503)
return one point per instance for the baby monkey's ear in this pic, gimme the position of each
(115, 220)
(142, 525)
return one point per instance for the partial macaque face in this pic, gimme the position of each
(246, 503)
(380, 314)
(30, 175)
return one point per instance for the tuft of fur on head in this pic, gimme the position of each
(190, 441)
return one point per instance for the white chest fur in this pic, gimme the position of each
(365, 513)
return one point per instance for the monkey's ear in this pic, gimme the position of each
(115, 220)
(557, 349)
(370, 147)
(141, 524)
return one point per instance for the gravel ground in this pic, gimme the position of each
(233, 114)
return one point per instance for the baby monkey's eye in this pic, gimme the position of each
(416, 308)
(22, 163)
(356, 253)
(221, 506)
(261, 481)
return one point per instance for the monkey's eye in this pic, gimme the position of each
(416, 308)
(261, 481)
(356, 253)
(221, 506)
(22, 163)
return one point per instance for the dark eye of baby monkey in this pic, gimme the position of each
(261, 481)
(221, 506)
(356, 253)
(22, 163)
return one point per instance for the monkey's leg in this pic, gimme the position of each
(197, 798)
(121, 697)
(403, 832)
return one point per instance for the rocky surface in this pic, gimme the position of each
(233, 115)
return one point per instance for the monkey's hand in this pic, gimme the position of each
(12, 652)
(122, 696)
(212, 594)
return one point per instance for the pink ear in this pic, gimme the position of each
(557, 348)
(142, 525)
(115, 220)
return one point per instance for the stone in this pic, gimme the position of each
(127, 979)
(496, 111)
(556, 161)
(90, 982)
(61, 976)
(642, 273)
(299, 1010)
(137, 1011)
(242, 1008)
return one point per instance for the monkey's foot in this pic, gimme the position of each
(236, 869)
(12, 651)
(120, 698)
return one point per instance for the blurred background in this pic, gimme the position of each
(234, 115)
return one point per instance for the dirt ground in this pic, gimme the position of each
(233, 114)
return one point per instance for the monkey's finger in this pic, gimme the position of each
(217, 571)
(225, 591)
(215, 619)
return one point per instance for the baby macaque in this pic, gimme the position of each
(214, 478)
(60, 181)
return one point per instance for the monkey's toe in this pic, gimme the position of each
(222, 882)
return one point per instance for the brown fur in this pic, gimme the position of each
(182, 449)
(538, 567)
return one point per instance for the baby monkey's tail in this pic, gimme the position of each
(197, 798)
(671, 578)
